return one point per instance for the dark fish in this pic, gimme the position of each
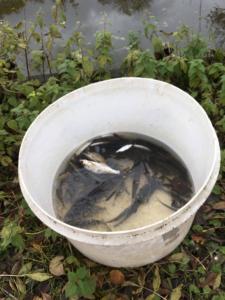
(87, 205)
(142, 197)
(88, 223)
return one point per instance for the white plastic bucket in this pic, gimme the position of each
(144, 106)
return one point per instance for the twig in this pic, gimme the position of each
(149, 290)
(199, 262)
(213, 228)
(25, 50)
(34, 233)
(8, 293)
(13, 275)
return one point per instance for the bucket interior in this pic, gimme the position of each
(143, 106)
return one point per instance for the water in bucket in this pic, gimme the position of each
(119, 182)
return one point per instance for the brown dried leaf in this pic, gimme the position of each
(219, 205)
(37, 247)
(117, 277)
(56, 267)
(210, 279)
(100, 280)
(198, 239)
(46, 296)
(37, 298)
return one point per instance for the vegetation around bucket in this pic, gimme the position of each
(36, 263)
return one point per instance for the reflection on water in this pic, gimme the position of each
(9, 6)
(217, 19)
(127, 6)
(13, 6)
(123, 16)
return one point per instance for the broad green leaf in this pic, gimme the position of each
(180, 258)
(5, 160)
(217, 281)
(21, 287)
(71, 289)
(38, 276)
(87, 287)
(39, 20)
(153, 297)
(72, 260)
(171, 268)
(88, 67)
(156, 279)
(157, 44)
(54, 31)
(176, 293)
(18, 242)
(194, 289)
(82, 272)
(12, 124)
(26, 268)
(11, 234)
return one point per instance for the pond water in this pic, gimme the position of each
(123, 16)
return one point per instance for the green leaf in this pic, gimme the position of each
(5, 160)
(176, 293)
(11, 235)
(80, 283)
(156, 279)
(194, 289)
(13, 101)
(153, 297)
(171, 268)
(219, 297)
(22, 45)
(71, 289)
(87, 286)
(222, 249)
(88, 66)
(72, 260)
(12, 124)
(38, 276)
(82, 272)
(49, 233)
(216, 268)
(36, 36)
(26, 268)
(54, 12)
(180, 258)
(18, 242)
(157, 44)
(54, 31)
(39, 20)
(197, 228)
(217, 281)
(217, 190)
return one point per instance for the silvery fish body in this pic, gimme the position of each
(96, 157)
(98, 168)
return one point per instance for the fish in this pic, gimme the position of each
(124, 148)
(141, 147)
(93, 156)
(142, 196)
(168, 206)
(98, 168)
